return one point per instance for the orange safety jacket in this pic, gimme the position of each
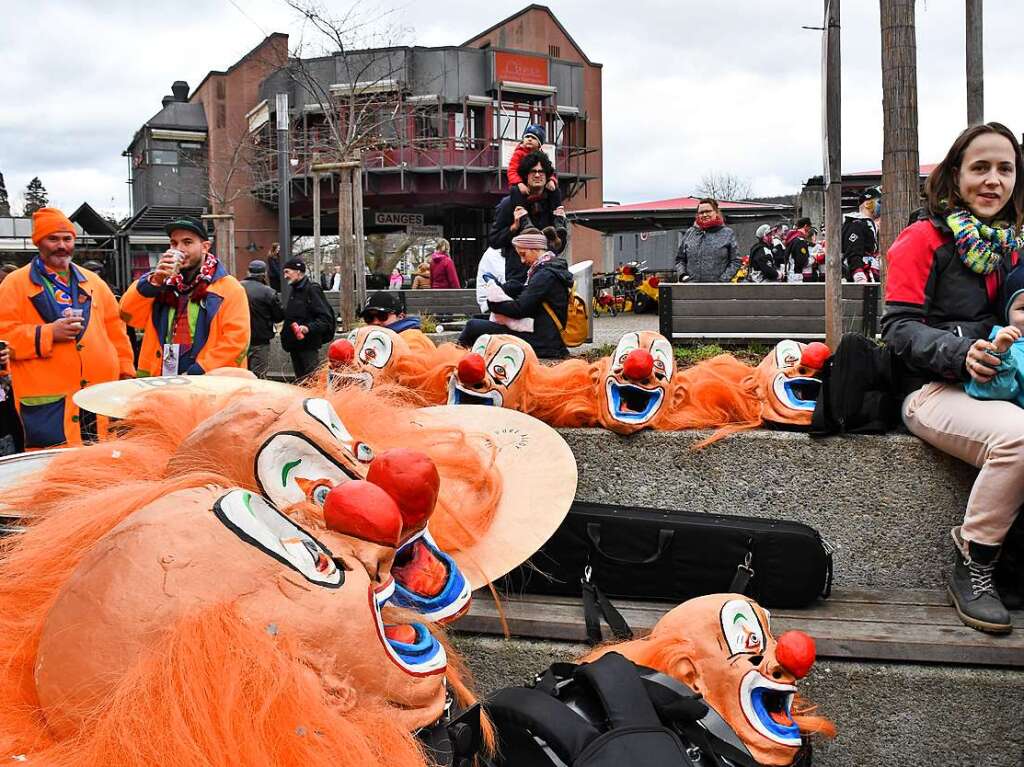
(219, 323)
(45, 373)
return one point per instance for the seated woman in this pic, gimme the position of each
(540, 301)
(945, 276)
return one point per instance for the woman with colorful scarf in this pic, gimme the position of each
(708, 252)
(543, 298)
(945, 278)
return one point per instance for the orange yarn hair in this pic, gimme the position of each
(667, 651)
(268, 708)
(718, 393)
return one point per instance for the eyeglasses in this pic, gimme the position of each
(537, 172)
(703, 213)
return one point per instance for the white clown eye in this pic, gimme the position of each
(507, 363)
(320, 494)
(364, 453)
(324, 412)
(787, 354)
(664, 360)
(481, 345)
(741, 627)
(626, 344)
(377, 349)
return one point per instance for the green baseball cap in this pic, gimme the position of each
(191, 223)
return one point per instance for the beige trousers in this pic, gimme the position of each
(984, 433)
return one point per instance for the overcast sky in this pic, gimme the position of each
(690, 86)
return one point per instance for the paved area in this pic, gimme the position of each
(608, 329)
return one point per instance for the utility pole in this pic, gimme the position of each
(975, 61)
(901, 166)
(284, 206)
(833, 175)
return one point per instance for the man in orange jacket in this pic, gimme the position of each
(61, 324)
(195, 315)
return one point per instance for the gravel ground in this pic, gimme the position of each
(608, 329)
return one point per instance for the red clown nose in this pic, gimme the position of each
(815, 355)
(341, 352)
(472, 369)
(363, 510)
(638, 365)
(412, 481)
(795, 651)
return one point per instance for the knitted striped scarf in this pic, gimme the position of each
(981, 247)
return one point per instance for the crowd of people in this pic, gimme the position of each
(709, 251)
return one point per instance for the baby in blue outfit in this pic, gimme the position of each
(1008, 382)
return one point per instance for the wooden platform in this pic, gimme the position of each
(907, 625)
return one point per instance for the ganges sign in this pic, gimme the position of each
(398, 219)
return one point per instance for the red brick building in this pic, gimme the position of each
(450, 118)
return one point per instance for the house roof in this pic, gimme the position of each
(153, 218)
(524, 11)
(673, 213)
(91, 221)
(924, 170)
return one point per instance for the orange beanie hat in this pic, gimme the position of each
(46, 221)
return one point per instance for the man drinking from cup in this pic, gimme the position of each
(195, 316)
(63, 330)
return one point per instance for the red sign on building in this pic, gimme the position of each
(519, 68)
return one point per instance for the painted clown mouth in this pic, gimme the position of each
(459, 395)
(410, 646)
(630, 403)
(768, 706)
(428, 581)
(357, 379)
(799, 393)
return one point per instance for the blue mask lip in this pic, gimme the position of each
(780, 730)
(452, 592)
(790, 386)
(615, 391)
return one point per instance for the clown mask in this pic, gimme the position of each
(635, 382)
(300, 452)
(376, 351)
(788, 383)
(722, 647)
(488, 375)
(318, 596)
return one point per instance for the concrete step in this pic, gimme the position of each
(886, 503)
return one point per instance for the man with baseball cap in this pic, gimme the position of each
(62, 327)
(860, 237)
(385, 309)
(195, 315)
(264, 310)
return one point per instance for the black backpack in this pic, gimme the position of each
(612, 713)
(859, 390)
(316, 294)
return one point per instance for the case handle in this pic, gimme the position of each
(664, 540)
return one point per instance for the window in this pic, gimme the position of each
(469, 127)
(163, 157)
(427, 124)
(191, 154)
(222, 115)
(554, 51)
(221, 89)
(513, 121)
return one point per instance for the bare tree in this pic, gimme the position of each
(722, 185)
(381, 259)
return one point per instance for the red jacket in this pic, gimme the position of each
(442, 271)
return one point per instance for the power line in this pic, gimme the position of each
(241, 11)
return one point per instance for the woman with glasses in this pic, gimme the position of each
(708, 252)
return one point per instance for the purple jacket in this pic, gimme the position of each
(442, 271)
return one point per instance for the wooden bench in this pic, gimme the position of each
(440, 303)
(763, 312)
(904, 625)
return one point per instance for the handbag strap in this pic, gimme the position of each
(595, 606)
